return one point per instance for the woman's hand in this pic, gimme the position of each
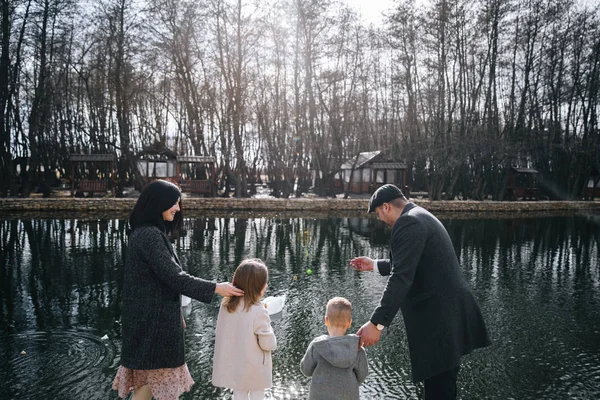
(226, 289)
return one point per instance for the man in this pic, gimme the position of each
(442, 319)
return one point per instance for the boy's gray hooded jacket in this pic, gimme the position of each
(337, 367)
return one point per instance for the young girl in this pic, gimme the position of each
(244, 338)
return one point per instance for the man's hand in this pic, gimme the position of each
(362, 263)
(369, 335)
(226, 289)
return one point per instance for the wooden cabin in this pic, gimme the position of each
(521, 184)
(155, 162)
(194, 174)
(592, 189)
(370, 170)
(95, 175)
(335, 185)
(197, 175)
(331, 184)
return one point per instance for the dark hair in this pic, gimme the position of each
(251, 276)
(338, 311)
(157, 197)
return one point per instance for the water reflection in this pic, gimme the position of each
(537, 281)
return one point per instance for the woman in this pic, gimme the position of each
(152, 357)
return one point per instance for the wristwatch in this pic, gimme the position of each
(379, 327)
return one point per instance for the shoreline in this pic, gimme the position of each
(301, 207)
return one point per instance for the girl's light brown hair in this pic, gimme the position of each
(251, 276)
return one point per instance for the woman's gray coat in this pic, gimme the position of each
(151, 315)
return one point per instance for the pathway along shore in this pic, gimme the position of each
(302, 206)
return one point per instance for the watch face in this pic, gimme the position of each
(380, 327)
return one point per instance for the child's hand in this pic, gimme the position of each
(184, 324)
(369, 334)
(226, 289)
(362, 263)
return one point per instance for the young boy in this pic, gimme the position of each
(336, 364)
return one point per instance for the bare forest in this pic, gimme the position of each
(459, 90)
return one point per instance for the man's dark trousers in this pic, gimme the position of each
(442, 386)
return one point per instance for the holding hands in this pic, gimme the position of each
(369, 334)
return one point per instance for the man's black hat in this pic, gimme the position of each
(384, 194)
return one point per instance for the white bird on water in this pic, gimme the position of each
(274, 304)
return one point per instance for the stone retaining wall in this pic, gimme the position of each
(336, 206)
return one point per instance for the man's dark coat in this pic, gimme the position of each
(442, 318)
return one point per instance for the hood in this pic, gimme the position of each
(339, 351)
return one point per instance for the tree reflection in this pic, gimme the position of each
(61, 273)
(66, 272)
(536, 280)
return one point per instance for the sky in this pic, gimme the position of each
(371, 10)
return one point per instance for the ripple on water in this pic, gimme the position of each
(52, 365)
(579, 378)
(384, 382)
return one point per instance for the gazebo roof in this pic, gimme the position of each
(378, 159)
(157, 149)
(363, 158)
(92, 157)
(196, 159)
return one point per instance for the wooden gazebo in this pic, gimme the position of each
(155, 162)
(371, 170)
(592, 189)
(197, 175)
(521, 184)
(93, 185)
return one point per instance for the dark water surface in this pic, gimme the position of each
(537, 281)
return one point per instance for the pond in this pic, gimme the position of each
(537, 281)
